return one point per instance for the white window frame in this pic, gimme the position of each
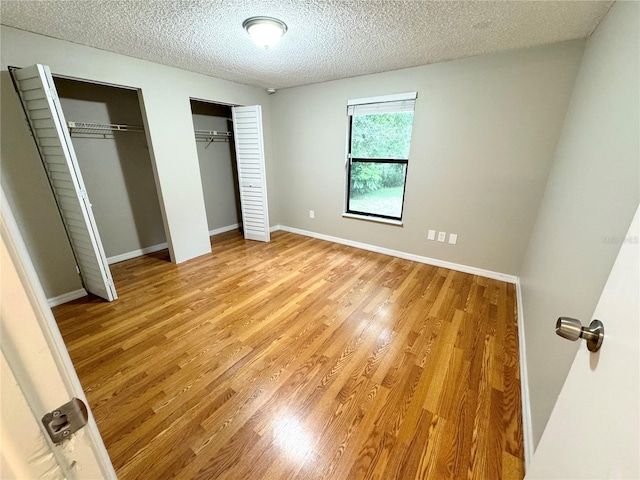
(400, 102)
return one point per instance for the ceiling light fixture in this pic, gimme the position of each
(265, 31)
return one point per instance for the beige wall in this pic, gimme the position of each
(116, 171)
(484, 135)
(165, 93)
(217, 166)
(590, 199)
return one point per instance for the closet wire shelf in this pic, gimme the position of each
(211, 136)
(105, 130)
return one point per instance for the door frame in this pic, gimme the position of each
(40, 361)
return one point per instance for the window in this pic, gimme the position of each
(378, 155)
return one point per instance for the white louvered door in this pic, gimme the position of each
(247, 126)
(44, 113)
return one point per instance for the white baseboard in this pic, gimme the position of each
(137, 253)
(66, 297)
(69, 296)
(527, 429)
(161, 246)
(407, 256)
(220, 230)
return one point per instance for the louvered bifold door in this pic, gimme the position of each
(44, 113)
(247, 131)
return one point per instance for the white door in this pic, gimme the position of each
(42, 107)
(594, 427)
(37, 376)
(20, 433)
(247, 132)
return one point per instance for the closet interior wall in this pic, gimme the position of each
(116, 167)
(217, 166)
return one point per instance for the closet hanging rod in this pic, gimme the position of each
(90, 128)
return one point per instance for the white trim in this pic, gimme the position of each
(407, 256)
(228, 228)
(161, 246)
(275, 228)
(527, 429)
(397, 223)
(384, 98)
(57, 348)
(137, 253)
(67, 297)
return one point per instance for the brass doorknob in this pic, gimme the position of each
(572, 329)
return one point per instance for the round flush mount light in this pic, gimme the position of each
(265, 31)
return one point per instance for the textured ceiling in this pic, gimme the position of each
(327, 39)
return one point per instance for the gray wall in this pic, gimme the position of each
(590, 199)
(217, 166)
(117, 171)
(484, 135)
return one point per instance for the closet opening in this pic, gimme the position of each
(213, 131)
(107, 131)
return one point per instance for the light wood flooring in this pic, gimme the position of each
(300, 359)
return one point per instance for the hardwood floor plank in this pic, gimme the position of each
(420, 462)
(441, 362)
(300, 359)
(478, 467)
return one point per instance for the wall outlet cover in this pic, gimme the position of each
(442, 236)
(312, 214)
(431, 235)
(453, 238)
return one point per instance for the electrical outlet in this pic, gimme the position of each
(442, 236)
(453, 238)
(312, 214)
(431, 235)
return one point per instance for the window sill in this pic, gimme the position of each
(397, 223)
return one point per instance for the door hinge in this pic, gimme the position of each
(65, 420)
(110, 282)
(82, 193)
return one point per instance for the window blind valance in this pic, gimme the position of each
(403, 102)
